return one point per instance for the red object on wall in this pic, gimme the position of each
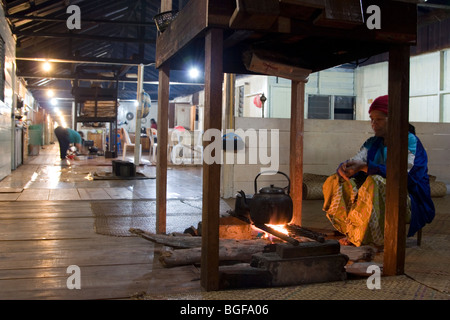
(257, 102)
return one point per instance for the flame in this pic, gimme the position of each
(278, 227)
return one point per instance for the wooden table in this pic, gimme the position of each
(289, 39)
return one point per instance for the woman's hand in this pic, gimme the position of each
(351, 167)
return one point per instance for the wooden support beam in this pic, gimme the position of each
(190, 22)
(83, 22)
(267, 62)
(161, 151)
(86, 37)
(296, 148)
(397, 162)
(166, 5)
(211, 172)
(255, 14)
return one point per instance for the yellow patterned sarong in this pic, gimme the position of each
(356, 212)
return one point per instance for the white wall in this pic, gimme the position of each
(335, 81)
(253, 86)
(429, 87)
(6, 156)
(326, 144)
(130, 125)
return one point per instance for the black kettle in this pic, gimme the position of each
(271, 205)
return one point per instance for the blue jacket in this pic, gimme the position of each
(422, 206)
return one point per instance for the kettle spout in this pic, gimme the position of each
(241, 208)
(242, 196)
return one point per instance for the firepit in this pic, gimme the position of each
(297, 256)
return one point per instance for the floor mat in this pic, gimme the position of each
(116, 219)
(392, 288)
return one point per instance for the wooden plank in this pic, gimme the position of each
(166, 5)
(161, 149)
(64, 194)
(341, 14)
(190, 22)
(93, 194)
(396, 164)
(265, 62)
(296, 149)
(255, 14)
(34, 194)
(120, 193)
(211, 172)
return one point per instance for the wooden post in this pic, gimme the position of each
(139, 108)
(166, 5)
(211, 172)
(161, 149)
(397, 162)
(296, 148)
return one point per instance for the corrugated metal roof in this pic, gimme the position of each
(113, 38)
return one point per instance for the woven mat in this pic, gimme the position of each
(392, 288)
(115, 218)
(429, 263)
(427, 275)
(111, 176)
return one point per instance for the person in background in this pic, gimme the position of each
(153, 124)
(354, 197)
(67, 136)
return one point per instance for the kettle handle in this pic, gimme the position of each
(276, 172)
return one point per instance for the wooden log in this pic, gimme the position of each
(363, 253)
(361, 268)
(228, 251)
(187, 241)
(181, 242)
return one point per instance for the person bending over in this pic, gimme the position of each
(67, 136)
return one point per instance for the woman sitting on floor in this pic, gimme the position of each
(354, 197)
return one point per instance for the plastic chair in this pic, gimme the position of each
(153, 144)
(175, 146)
(198, 147)
(129, 144)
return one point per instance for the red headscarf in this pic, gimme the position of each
(380, 104)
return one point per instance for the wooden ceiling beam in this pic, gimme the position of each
(95, 21)
(82, 37)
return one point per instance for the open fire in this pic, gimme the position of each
(287, 232)
(279, 228)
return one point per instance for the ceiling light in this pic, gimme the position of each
(54, 102)
(194, 73)
(47, 66)
(50, 93)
